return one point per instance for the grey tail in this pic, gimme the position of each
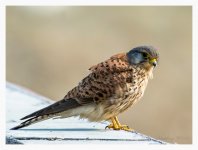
(32, 121)
(48, 112)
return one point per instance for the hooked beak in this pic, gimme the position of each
(153, 62)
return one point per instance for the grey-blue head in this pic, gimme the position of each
(143, 55)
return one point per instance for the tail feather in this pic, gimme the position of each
(32, 121)
(48, 112)
(57, 107)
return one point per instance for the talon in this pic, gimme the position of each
(126, 128)
(117, 126)
(109, 126)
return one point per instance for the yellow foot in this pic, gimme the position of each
(121, 127)
(117, 126)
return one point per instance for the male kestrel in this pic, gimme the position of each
(112, 87)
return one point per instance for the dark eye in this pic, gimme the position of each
(145, 55)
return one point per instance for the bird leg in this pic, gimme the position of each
(117, 126)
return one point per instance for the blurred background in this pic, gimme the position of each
(49, 50)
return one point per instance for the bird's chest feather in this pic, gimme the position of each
(132, 93)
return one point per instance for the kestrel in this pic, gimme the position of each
(111, 88)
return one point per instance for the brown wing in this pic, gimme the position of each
(107, 79)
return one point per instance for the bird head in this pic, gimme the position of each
(146, 56)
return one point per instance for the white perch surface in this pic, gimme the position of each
(21, 102)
